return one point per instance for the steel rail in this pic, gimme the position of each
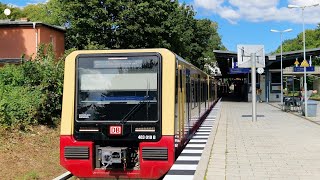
(64, 176)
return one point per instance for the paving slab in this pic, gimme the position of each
(278, 145)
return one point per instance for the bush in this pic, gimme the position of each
(31, 93)
(19, 106)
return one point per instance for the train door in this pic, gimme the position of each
(181, 103)
(176, 106)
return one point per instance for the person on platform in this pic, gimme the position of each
(301, 93)
(259, 92)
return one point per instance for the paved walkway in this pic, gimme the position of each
(278, 146)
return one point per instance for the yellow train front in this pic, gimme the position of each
(127, 113)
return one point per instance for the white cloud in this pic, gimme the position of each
(27, 3)
(36, 1)
(10, 5)
(261, 10)
(209, 3)
(229, 14)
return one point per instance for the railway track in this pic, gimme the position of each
(64, 176)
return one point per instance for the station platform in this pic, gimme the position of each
(278, 145)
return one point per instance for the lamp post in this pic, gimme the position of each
(304, 53)
(281, 69)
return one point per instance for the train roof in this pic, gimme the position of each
(186, 62)
(160, 50)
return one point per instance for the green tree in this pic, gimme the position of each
(96, 24)
(207, 39)
(49, 12)
(140, 24)
(16, 13)
(312, 41)
(35, 12)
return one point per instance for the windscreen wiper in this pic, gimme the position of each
(133, 110)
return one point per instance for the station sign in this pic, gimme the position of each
(301, 69)
(239, 70)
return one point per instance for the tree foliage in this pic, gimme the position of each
(312, 41)
(16, 13)
(114, 24)
(126, 24)
(31, 93)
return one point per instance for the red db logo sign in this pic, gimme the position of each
(115, 130)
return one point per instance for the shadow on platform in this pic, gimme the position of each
(233, 98)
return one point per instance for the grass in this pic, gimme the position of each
(32, 155)
(33, 175)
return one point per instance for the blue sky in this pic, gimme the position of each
(21, 3)
(247, 21)
(250, 21)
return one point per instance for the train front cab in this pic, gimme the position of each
(81, 143)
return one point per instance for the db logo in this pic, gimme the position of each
(115, 130)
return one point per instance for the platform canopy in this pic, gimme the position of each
(289, 58)
(224, 59)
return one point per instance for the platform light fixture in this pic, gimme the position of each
(281, 69)
(291, 6)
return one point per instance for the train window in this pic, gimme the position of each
(176, 86)
(192, 94)
(180, 80)
(198, 91)
(117, 89)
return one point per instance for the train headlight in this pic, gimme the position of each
(145, 129)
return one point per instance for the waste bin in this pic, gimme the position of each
(312, 108)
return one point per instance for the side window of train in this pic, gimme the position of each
(176, 85)
(192, 93)
(188, 85)
(180, 80)
(198, 90)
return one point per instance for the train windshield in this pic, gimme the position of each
(117, 89)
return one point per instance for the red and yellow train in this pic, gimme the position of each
(128, 113)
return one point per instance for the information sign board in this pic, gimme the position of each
(244, 53)
(301, 69)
